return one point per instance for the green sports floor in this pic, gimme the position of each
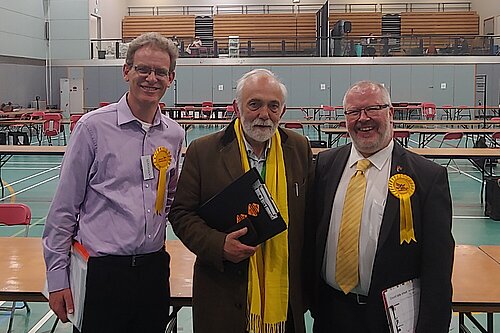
(34, 179)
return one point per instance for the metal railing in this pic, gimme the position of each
(395, 7)
(343, 46)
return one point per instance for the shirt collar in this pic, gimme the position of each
(249, 149)
(125, 114)
(377, 160)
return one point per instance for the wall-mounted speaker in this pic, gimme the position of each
(347, 26)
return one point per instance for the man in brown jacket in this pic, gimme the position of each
(240, 288)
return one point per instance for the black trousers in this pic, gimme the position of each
(127, 294)
(340, 313)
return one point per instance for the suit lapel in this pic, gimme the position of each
(391, 212)
(230, 153)
(333, 171)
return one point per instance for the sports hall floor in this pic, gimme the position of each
(33, 180)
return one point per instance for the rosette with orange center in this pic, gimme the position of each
(403, 187)
(161, 161)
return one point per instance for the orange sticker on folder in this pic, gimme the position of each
(253, 209)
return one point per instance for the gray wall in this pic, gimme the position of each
(20, 82)
(492, 72)
(439, 83)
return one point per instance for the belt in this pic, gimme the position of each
(132, 260)
(357, 298)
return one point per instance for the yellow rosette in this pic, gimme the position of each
(161, 161)
(403, 187)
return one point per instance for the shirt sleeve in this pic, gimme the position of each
(62, 219)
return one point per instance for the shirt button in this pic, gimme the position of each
(149, 210)
(149, 236)
(147, 185)
(238, 305)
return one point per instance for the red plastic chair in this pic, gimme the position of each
(207, 108)
(428, 110)
(52, 126)
(15, 214)
(329, 112)
(73, 119)
(461, 110)
(448, 111)
(187, 112)
(37, 115)
(294, 125)
(402, 137)
(495, 137)
(452, 136)
(229, 113)
(101, 104)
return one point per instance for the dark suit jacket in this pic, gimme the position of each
(430, 258)
(220, 287)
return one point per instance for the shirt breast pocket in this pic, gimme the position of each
(375, 217)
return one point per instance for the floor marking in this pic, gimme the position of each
(31, 225)
(471, 217)
(11, 191)
(30, 187)
(34, 175)
(41, 322)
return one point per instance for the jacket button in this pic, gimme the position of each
(238, 306)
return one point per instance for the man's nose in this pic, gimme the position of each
(264, 112)
(363, 115)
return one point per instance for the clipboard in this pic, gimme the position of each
(246, 202)
(79, 258)
(402, 303)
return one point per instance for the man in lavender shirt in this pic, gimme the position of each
(113, 201)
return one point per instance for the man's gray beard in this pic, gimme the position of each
(259, 136)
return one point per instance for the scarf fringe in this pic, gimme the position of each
(255, 325)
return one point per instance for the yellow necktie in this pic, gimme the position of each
(346, 272)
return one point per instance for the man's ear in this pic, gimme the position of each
(125, 70)
(236, 109)
(171, 77)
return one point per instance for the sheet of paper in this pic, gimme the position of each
(77, 280)
(402, 305)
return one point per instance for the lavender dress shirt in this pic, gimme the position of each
(102, 199)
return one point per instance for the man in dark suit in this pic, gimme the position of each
(390, 247)
(239, 288)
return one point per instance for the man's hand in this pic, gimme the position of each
(61, 302)
(234, 250)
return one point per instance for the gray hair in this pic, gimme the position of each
(369, 85)
(258, 72)
(153, 39)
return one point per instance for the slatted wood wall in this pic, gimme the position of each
(362, 23)
(168, 25)
(272, 26)
(452, 23)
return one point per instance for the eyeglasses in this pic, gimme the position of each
(370, 111)
(146, 70)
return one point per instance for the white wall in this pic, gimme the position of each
(112, 12)
(487, 9)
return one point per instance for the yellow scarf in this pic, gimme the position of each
(268, 269)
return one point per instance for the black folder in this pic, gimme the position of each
(246, 202)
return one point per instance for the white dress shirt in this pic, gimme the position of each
(377, 178)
